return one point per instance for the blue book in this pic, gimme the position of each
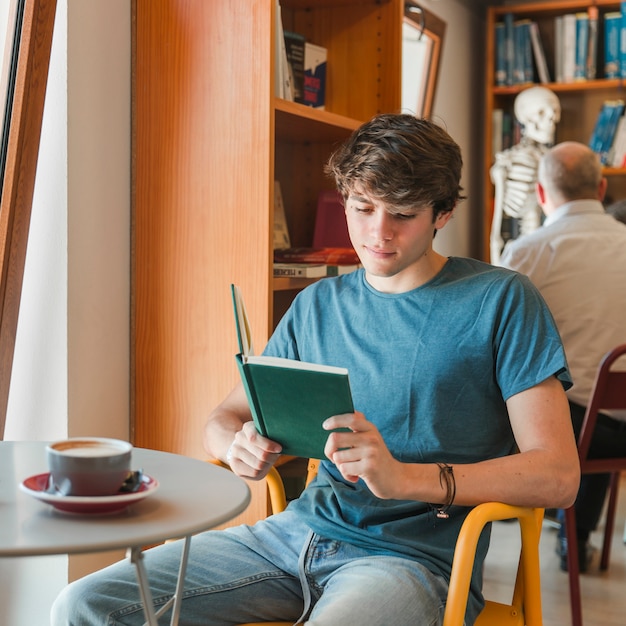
(518, 52)
(582, 44)
(604, 130)
(617, 110)
(500, 60)
(612, 28)
(595, 142)
(592, 48)
(527, 52)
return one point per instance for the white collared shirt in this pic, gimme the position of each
(577, 260)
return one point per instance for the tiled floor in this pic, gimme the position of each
(604, 593)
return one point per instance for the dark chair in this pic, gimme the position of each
(609, 392)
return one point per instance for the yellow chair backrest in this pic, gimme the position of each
(525, 606)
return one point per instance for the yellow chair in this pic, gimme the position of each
(525, 606)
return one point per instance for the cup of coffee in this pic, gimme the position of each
(89, 466)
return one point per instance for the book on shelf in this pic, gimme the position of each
(312, 270)
(582, 46)
(558, 48)
(497, 121)
(289, 400)
(569, 47)
(283, 88)
(539, 53)
(300, 270)
(612, 29)
(327, 256)
(605, 128)
(340, 270)
(509, 38)
(618, 151)
(331, 229)
(523, 58)
(511, 130)
(592, 47)
(281, 230)
(500, 51)
(294, 46)
(622, 41)
(315, 75)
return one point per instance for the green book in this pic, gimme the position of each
(289, 399)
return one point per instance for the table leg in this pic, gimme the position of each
(136, 557)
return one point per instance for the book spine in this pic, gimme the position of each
(603, 135)
(281, 230)
(500, 50)
(340, 270)
(539, 54)
(294, 45)
(253, 401)
(558, 48)
(616, 111)
(518, 54)
(509, 37)
(622, 41)
(497, 118)
(619, 144)
(507, 130)
(582, 44)
(592, 48)
(612, 25)
(569, 47)
(315, 75)
(299, 271)
(279, 83)
(596, 140)
(527, 51)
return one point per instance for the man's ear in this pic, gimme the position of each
(443, 219)
(602, 189)
(540, 192)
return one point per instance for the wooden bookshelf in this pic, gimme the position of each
(580, 101)
(209, 139)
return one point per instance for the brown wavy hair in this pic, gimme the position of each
(401, 160)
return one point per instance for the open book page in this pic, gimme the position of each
(277, 361)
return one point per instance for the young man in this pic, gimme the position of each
(577, 260)
(454, 365)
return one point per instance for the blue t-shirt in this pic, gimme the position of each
(432, 369)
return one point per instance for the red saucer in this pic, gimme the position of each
(37, 485)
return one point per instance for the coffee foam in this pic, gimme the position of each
(88, 448)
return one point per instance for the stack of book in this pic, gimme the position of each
(314, 262)
(331, 254)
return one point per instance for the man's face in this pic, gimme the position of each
(390, 245)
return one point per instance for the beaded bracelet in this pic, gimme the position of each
(446, 474)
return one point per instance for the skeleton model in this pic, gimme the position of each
(514, 172)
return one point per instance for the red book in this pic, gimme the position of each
(331, 230)
(328, 256)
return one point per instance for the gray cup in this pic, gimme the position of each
(89, 466)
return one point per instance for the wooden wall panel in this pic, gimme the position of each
(202, 165)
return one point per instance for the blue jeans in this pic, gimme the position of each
(274, 570)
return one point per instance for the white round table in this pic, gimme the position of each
(192, 496)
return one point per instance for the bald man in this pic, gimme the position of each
(577, 260)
